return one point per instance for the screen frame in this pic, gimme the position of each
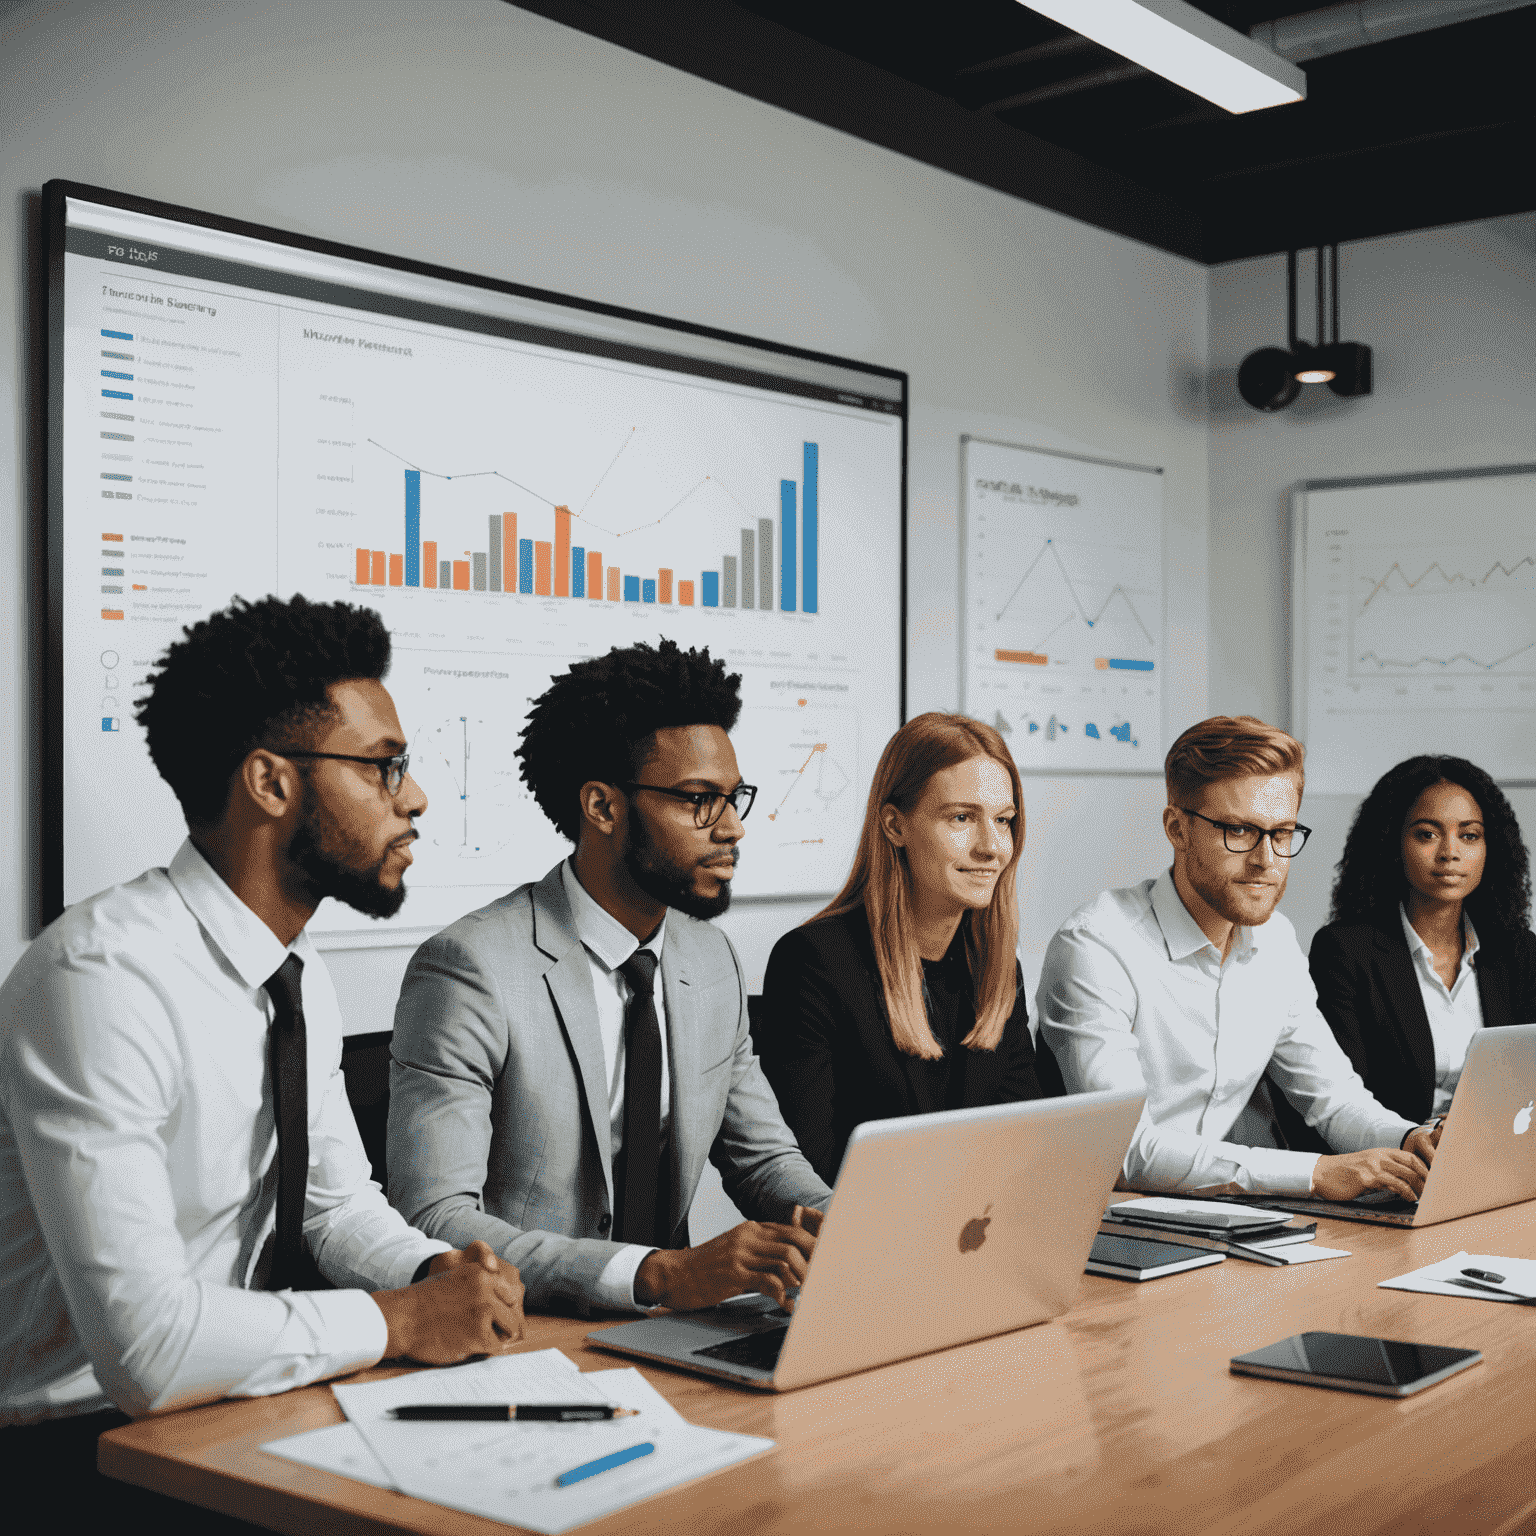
(56, 194)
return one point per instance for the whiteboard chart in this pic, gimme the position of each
(1062, 628)
(512, 483)
(1416, 624)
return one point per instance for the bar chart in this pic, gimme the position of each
(516, 562)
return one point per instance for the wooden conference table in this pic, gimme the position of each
(1119, 1417)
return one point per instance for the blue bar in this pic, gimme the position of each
(112, 373)
(119, 335)
(413, 527)
(108, 723)
(1117, 665)
(631, 589)
(525, 565)
(116, 394)
(578, 572)
(647, 591)
(787, 583)
(808, 530)
(709, 595)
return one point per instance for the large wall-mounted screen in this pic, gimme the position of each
(514, 480)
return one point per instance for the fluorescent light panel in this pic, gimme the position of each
(1186, 46)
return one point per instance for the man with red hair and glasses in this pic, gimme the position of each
(1192, 986)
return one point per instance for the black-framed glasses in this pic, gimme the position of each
(708, 804)
(1238, 837)
(391, 769)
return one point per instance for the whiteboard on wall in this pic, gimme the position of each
(1414, 624)
(1061, 581)
(513, 479)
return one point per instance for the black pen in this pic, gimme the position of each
(522, 1413)
(1484, 1274)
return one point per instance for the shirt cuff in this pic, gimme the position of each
(356, 1334)
(616, 1285)
(1272, 1171)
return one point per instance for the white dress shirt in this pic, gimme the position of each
(1133, 995)
(138, 1174)
(1455, 1013)
(608, 944)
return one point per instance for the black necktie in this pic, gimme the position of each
(292, 1268)
(642, 1105)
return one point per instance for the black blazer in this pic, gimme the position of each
(1368, 991)
(826, 1046)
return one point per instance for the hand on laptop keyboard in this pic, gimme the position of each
(1343, 1177)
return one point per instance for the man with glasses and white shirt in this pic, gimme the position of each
(1192, 986)
(567, 1057)
(186, 1210)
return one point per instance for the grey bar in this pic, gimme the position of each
(765, 563)
(445, 575)
(495, 559)
(728, 581)
(748, 581)
(477, 572)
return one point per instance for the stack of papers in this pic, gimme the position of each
(1244, 1231)
(507, 1472)
(1517, 1275)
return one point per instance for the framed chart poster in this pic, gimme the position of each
(1062, 606)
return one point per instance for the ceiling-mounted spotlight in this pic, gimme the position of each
(1270, 378)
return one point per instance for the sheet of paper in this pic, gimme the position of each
(1519, 1275)
(1171, 1209)
(507, 1471)
(1306, 1253)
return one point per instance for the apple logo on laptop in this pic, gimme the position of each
(1523, 1118)
(974, 1233)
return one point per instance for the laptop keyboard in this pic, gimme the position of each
(755, 1349)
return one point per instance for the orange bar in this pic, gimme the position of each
(685, 593)
(111, 613)
(364, 565)
(1029, 658)
(113, 538)
(380, 575)
(663, 586)
(429, 563)
(613, 583)
(397, 570)
(1102, 663)
(461, 575)
(509, 551)
(138, 588)
(541, 553)
(562, 551)
(594, 574)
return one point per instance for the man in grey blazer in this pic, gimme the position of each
(565, 1058)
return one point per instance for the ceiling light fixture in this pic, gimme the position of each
(1271, 378)
(1186, 46)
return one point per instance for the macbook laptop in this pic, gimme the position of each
(1487, 1152)
(943, 1228)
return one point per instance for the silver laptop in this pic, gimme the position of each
(1487, 1152)
(943, 1228)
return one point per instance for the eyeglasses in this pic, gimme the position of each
(391, 769)
(708, 804)
(1239, 838)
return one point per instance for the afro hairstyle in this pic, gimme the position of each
(599, 720)
(254, 674)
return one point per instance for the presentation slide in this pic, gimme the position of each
(1416, 629)
(513, 483)
(1062, 570)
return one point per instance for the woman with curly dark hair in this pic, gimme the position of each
(1429, 939)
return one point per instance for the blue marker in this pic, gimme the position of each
(603, 1463)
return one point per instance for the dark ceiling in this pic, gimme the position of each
(1431, 129)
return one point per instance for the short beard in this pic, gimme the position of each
(327, 862)
(669, 883)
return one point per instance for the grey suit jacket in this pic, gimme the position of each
(498, 1114)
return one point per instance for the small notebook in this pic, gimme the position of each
(1132, 1258)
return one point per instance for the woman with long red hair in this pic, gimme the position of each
(905, 995)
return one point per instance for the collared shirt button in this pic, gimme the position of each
(604, 1224)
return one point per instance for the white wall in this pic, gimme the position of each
(1451, 315)
(481, 137)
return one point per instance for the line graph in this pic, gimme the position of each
(1117, 591)
(1450, 581)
